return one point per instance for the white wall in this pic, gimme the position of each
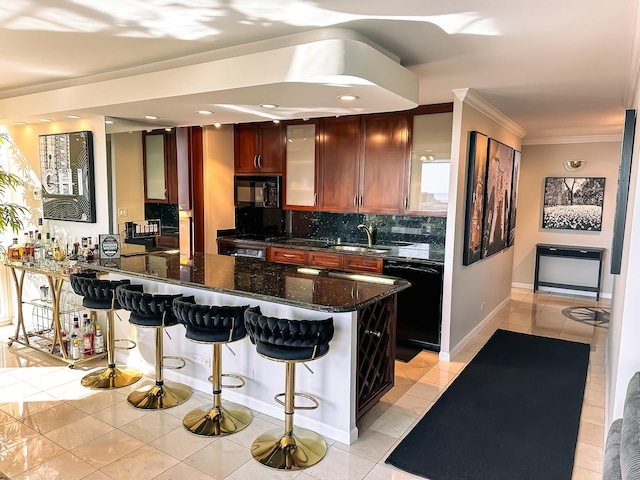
(26, 138)
(540, 161)
(470, 292)
(126, 151)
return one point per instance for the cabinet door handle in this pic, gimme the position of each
(406, 202)
(255, 161)
(552, 249)
(584, 251)
(361, 201)
(288, 255)
(375, 333)
(315, 199)
(259, 161)
(355, 200)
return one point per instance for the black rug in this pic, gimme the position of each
(512, 414)
(405, 353)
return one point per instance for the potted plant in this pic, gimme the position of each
(10, 213)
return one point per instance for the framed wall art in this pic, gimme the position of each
(514, 198)
(476, 177)
(573, 203)
(66, 171)
(622, 195)
(497, 199)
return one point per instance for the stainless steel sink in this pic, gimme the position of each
(354, 248)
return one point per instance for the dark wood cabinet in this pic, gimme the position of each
(339, 164)
(160, 169)
(382, 164)
(259, 148)
(323, 259)
(287, 255)
(349, 263)
(359, 263)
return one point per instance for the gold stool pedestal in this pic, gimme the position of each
(217, 421)
(111, 377)
(299, 450)
(158, 397)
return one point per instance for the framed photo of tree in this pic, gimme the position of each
(66, 172)
(573, 203)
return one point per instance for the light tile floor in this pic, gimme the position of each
(51, 427)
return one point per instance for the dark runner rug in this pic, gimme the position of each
(512, 414)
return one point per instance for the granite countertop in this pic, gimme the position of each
(420, 252)
(316, 289)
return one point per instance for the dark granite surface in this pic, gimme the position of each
(420, 252)
(316, 289)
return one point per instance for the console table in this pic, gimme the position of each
(594, 254)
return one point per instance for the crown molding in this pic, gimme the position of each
(634, 68)
(469, 96)
(572, 139)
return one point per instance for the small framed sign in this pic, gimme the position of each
(109, 245)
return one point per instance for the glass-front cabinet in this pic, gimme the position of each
(300, 165)
(430, 163)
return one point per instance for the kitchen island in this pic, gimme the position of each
(348, 381)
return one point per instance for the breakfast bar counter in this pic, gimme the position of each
(348, 381)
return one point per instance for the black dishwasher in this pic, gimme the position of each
(420, 306)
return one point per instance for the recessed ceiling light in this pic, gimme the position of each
(276, 121)
(108, 122)
(205, 112)
(217, 125)
(45, 119)
(348, 98)
(268, 105)
(150, 117)
(19, 123)
(73, 116)
(167, 129)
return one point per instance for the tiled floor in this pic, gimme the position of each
(51, 427)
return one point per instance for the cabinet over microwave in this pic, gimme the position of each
(257, 191)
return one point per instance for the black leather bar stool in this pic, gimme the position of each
(99, 294)
(216, 326)
(289, 341)
(154, 311)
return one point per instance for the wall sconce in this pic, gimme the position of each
(574, 165)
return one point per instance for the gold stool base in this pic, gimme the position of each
(154, 397)
(111, 377)
(210, 421)
(302, 449)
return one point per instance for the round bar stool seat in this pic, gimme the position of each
(99, 294)
(215, 325)
(291, 342)
(154, 311)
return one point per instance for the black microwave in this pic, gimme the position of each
(257, 191)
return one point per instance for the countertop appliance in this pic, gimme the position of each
(248, 246)
(257, 191)
(419, 311)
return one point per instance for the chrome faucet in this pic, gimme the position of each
(370, 231)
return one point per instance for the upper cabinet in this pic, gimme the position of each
(300, 186)
(382, 164)
(259, 148)
(159, 158)
(430, 163)
(339, 164)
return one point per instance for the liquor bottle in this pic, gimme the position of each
(87, 336)
(29, 247)
(64, 340)
(59, 253)
(48, 247)
(98, 341)
(76, 328)
(15, 251)
(38, 250)
(76, 348)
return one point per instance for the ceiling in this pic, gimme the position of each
(556, 69)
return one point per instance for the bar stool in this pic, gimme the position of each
(154, 311)
(99, 295)
(216, 326)
(289, 341)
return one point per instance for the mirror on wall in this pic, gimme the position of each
(132, 173)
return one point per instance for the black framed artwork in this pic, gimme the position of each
(622, 195)
(476, 177)
(573, 203)
(66, 172)
(514, 198)
(497, 199)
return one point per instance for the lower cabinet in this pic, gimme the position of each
(349, 263)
